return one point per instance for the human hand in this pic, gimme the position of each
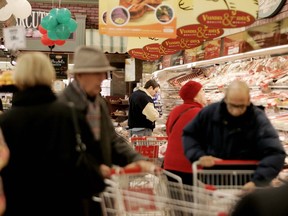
(249, 186)
(208, 161)
(4, 156)
(145, 166)
(105, 170)
(4, 152)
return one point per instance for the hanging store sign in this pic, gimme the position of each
(157, 48)
(141, 19)
(102, 16)
(139, 53)
(14, 37)
(181, 43)
(139, 42)
(226, 14)
(130, 70)
(198, 31)
(226, 19)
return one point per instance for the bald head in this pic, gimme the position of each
(239, 87)
(237, 98)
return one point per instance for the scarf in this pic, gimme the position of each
(93, 114)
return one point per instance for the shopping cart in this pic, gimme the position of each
(149, 146)
(148, 194)
(225, 180)
(226, 174)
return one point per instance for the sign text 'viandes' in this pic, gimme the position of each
(139, 53)
(226, 19)
(157, 48)
(199, 31)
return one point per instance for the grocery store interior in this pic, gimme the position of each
(253, 48)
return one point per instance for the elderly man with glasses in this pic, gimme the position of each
(235, 129)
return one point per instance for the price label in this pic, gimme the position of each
(14, 37)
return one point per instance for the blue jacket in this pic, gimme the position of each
(249, 137)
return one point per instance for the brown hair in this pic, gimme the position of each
(152, 83)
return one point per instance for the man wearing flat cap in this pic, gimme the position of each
(90, 69)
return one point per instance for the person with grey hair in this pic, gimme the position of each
(142, 113)
(90, 69)
(40, 178)
(234, 128)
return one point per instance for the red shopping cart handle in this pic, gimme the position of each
(136, 169)
(236, 162)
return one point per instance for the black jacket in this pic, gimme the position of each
(251, 137)
(40, 177)
(137, 102)
(263, 202)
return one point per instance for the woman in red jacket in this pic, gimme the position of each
(194, 99)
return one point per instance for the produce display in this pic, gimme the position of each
(6, 78)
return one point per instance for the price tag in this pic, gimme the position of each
(14, 37)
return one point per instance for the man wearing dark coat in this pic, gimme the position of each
(235, 129)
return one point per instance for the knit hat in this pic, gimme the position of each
(189, 91)
(90, 60)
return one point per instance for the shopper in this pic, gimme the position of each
(263, 202)
(235, 129)
(90, 69)
(40, 178)
(142, 112)
(193, 101)
(4, 158)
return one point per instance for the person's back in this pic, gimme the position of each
(193, 101)
(40, 178)
(136, 118)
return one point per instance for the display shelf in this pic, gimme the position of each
(278, 86)
(282, 107)
(118, 106)
(264, 70)
(277, 50)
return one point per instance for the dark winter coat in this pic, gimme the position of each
(264, 202)
(114, 149)
(40, 177)
(252, 136)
